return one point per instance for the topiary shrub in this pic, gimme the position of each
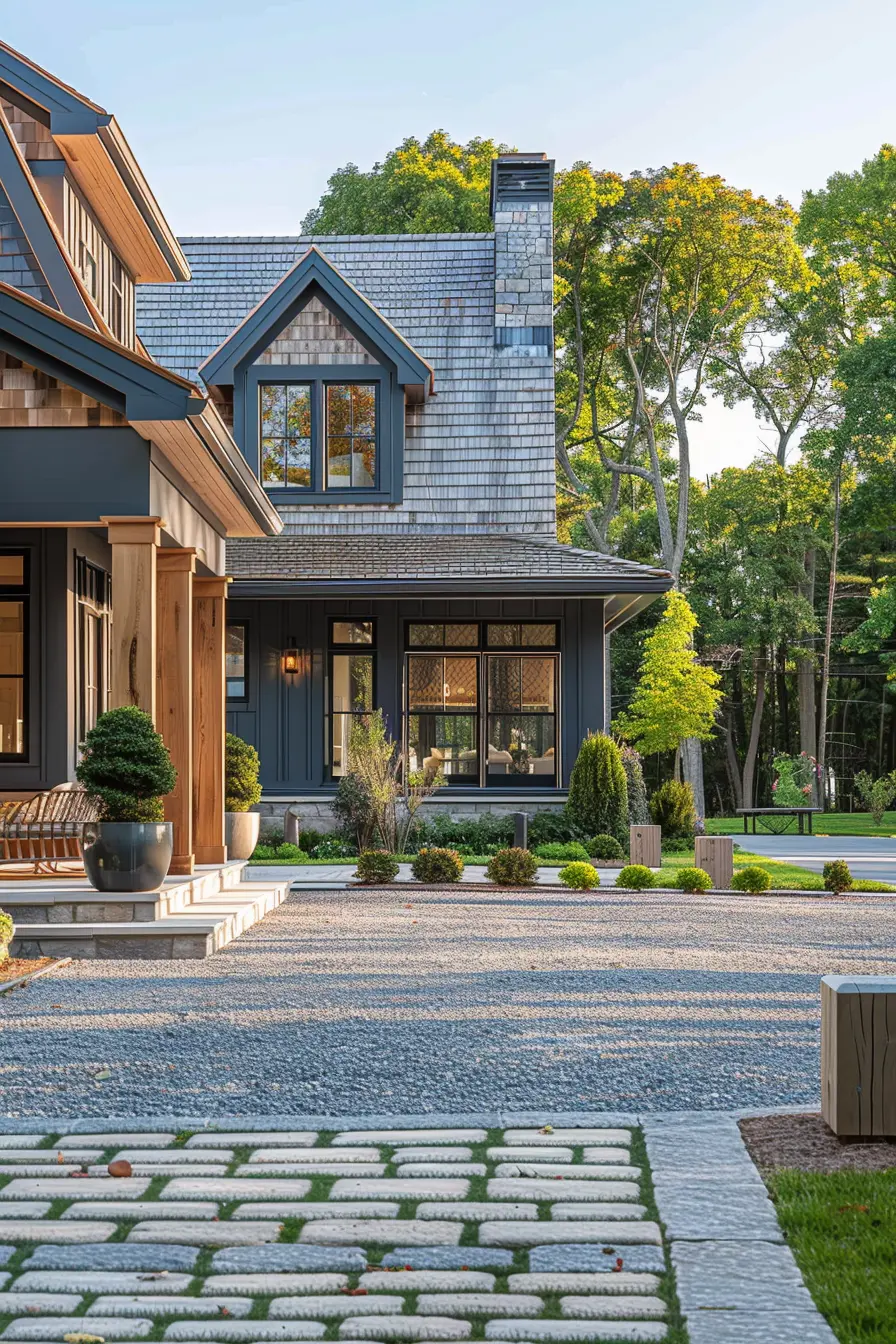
(513, 867)
(638, 811)
(837, 876)
(752, 878)
(567, 853)
(605, 848)
(579, 876)
(598, 792)
(635, 877)
(241, 765)
(693, 880)
(672, 809)
(438, 865)
(125, 766)
(376, 865)
(7, 933)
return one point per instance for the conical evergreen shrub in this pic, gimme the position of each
(598, 791)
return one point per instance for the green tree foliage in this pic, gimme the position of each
(598, 793)
(638, 814)
(677, 697)
(875, 795)
(241, 765)
(433, 186)
(125, 766)
(672, 809)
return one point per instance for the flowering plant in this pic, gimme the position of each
(794, 780)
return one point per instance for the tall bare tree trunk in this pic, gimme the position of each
(731, 761)
(805, 680)
(761, 674)
(692, 768)
(828, 638)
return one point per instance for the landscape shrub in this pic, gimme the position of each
(605, 848)
(438, 865)
(677, 844)
(794, 778)
(579, 876)
(554, 828)
(638, 811)
(635, 877)
(354, 811)
(280, 852)
(752, 878)
(693, 880)
(125, 766)
(241, 765)
(567, 853)
(868, 884)
(875, 795)
(7, 932)
(513, 867)
(333, 847)
(376, 865)
(476, 834)
(598, 791)
(672, 809)
(308, 840)
(837, 876)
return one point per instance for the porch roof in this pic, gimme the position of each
(445, 566)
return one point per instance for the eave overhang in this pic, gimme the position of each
(625, 597)
(159, 405)
(314, 274)
(104, 167)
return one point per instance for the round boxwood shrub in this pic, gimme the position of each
(7, 932)
(635, 877)
(837, 876)
(125, 766)
(598, 789)
(579, 876)
(512, 867)
(568, 853)
(438, 865)
(376, 865)
(606, 848)
(693, 880)
(241, 764)
(752, 878)
(672, 809)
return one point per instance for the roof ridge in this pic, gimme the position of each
(312, 238)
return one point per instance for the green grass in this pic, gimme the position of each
(832, 823)
(841, 1226)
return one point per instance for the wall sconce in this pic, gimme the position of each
(291, 661)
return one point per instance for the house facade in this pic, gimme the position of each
(356, 432)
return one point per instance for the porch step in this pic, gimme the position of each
(203, 926)
(74, 901)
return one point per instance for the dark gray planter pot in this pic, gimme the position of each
(127, 855)
(241, 833)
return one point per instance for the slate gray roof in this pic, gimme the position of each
(479, 456)
(465, 563)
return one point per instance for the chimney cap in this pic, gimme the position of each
(521, 178)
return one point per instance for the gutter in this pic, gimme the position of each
(448, 587)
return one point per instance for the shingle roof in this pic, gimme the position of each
(465, 562)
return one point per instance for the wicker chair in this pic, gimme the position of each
(38, 835)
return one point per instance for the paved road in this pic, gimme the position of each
(354, 1001)
(868, 856)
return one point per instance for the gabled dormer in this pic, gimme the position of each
(316, 381)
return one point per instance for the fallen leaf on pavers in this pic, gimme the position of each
(609, 1250)
(102, 1075)
(120, 1167)
(60, 1159)
(73, 1175)
(546, 1129)
(617, 1268)
(357, 1292)
(854, 1208)
(409, 906)
(151, 1278)
(84, 1339)
(225, 1311)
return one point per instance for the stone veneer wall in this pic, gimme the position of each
(524, 270)
(317, 813)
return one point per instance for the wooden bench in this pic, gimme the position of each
(803, 817)
(39, 834)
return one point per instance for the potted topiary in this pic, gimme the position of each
(126, 770)
(241, 792)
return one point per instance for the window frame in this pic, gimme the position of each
(340, 650)
(98, 609)
(389, 435)
(496, 781)
(21, 593)
(238, 700)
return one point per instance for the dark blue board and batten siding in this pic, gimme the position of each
(284, 716)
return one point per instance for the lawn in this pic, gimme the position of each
(841, 1226)
(832, 823)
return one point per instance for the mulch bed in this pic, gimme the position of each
(804, 1143)
(15, 967)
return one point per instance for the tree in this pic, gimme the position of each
(677, 697)
(437, 186)
(598, 790)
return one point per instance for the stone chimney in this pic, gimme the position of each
(522, 205)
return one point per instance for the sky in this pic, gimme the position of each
(238, 112)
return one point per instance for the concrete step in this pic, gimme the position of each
(74, 901)
(199, 929)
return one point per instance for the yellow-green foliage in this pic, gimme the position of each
(579, 876)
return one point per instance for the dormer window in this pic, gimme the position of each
(318, 435)
(351, 436)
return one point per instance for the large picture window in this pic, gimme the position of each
(443, 716)
(351, 687)
(521, 734)
(318, 435)
(14, 626)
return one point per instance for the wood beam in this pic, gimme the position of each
(209, 705)
(174, 691)
(135, 544)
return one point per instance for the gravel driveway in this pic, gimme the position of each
(350, 1002)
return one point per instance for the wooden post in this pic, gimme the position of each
(174, 694)
(858, 1055)
(715, 855)
(645, 843)
(134, 544)
(209, 704)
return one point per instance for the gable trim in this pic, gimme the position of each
(268, 318)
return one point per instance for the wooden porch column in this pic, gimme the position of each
(134, 542)
(174, 691)
(209, 704)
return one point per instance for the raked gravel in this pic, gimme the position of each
(351, 1002)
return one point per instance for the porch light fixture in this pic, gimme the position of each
(291, 662)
